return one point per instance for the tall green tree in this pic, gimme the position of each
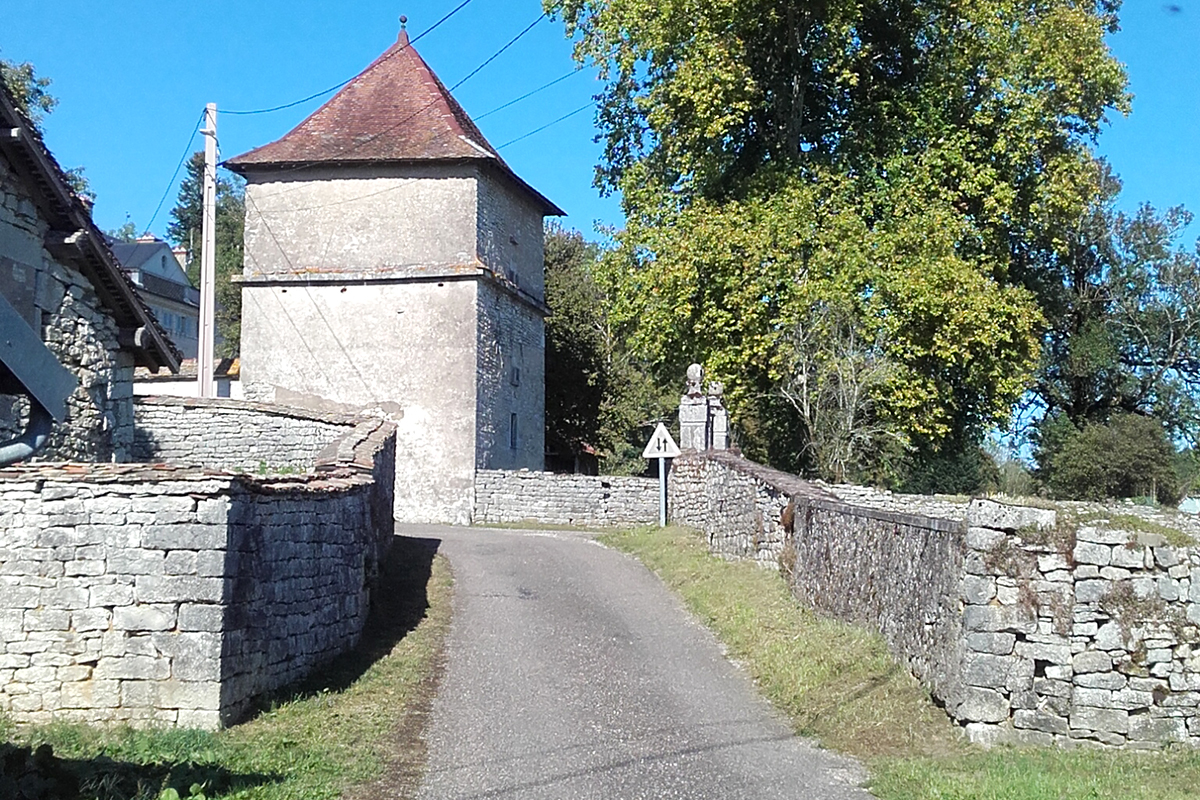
(187, 218)
(846, 210)
(599, 396)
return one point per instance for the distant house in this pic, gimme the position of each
(58, 273)
(155, 269)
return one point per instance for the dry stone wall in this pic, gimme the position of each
(1029, 625)
(62, 305)
(176, 595)
(555, 499)
(235, 435)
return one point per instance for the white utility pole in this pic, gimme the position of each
(208, 262)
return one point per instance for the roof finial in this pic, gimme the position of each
(403, 22)
(402, 39)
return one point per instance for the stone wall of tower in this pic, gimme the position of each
(510, 233)
(361, 219)
(511, 398)
(407, 350)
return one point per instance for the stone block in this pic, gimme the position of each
(1000, 644)
(90, 619)
(1001, 516)
(201, 617)
(1109, 720)
(184, 537)
(984, 539)
(132, 667)
(1052, 563)
(983, 705)
(111, 594)
(144, 617)
(91, 694)
(1045, 651)
(194, 656)
(1040, 721)
(978, 590)
(1091, 591)
(1129, 557)
(178, 589)
(991, 671)
(1091, 661)
(193, 696)
(1161, 730)
(1091, 553)
(1101, 680)
(1168, 556)
(1091, 533)
(998, 618)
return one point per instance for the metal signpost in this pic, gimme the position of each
(662, 447)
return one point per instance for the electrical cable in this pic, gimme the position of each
(535, 131)
(331, 89)
(187, 151)
(527, 95)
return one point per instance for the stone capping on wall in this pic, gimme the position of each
(331, 417)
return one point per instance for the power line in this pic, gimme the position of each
(527, 95)
(331, 89)
(535, 131)
(187, 151)
(367, 140)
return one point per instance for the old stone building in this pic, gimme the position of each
(394, 261)
(57, 271)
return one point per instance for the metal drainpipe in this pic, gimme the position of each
(37, 433)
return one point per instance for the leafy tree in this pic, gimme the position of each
(187, 218)
(1123, 332)
(1129, 456)
(29, 90)
(33, 99)
(846, 210)
(128, 232)
(597, 394)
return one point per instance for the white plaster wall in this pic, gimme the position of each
(346, 219)
(408, 349)
(510, 233)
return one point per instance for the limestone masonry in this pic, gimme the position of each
(1029, 625)
(177, 595)
(554, 499)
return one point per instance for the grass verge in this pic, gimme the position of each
(351, 728)
(838, 684)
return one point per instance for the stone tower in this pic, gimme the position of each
(394, 262)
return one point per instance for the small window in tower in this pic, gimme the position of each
(515, 377)
(512, 431)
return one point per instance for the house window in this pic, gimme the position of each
(512, 431)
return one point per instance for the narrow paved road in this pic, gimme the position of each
(575, 674)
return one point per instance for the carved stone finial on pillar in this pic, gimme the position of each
(693, 412)
(718, 418)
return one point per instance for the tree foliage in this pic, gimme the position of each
(1124, 324)
(598, 395)
(846, 210)
(187, 218)
(1129, 456)
(29, 90)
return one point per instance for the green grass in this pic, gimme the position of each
(357, 722)
(838, 684)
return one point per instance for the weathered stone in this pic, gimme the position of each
(983, 705)
(1040, 721)
(1090, 553)
(1091, 661)
(1099, 719)
(996, 643)
(999, 516)
(978, 590)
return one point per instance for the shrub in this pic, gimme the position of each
(1130, 456)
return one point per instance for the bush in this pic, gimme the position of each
(1130, 456)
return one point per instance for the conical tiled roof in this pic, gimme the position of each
(396, 110)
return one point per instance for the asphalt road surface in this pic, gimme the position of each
(575, 674)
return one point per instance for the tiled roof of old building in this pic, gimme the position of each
(395, 111)
(77, 241)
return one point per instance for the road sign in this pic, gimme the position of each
(661, 445)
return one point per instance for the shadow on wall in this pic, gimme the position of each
(398, 605)
(37, 774)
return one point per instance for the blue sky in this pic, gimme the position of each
(133, 76)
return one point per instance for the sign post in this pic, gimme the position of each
(662, 447)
